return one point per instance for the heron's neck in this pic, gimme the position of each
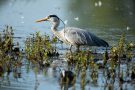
(54, 26)
(54, 29)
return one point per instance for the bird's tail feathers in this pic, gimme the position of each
(100, 42)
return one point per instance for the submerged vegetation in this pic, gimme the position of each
(41, 50)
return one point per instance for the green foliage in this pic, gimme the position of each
(9, 58)
(121, 45)
(39, 48)
(83, 77)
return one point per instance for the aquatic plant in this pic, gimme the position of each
(9, 56)
(39, 48)
(83, 78)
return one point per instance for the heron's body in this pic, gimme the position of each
(74, 36)
(78, 37)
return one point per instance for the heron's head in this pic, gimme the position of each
(52, 18)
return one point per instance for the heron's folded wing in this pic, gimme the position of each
(78, 36)
(81, 37)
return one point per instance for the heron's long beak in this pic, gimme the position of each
(44, 19)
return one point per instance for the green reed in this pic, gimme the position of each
(36, 47)
(9, 57)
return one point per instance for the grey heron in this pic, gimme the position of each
(72, 35)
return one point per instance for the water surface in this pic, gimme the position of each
(106, 18)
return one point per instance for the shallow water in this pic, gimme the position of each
(49, 79)
(102, 18)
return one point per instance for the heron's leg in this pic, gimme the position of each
(77, 48)
(70, 47)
